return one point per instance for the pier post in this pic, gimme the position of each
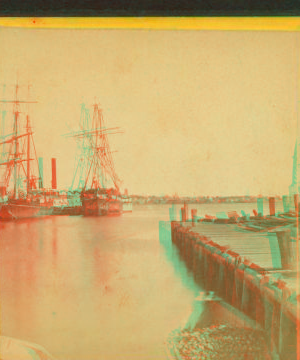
(286, 203)
(272, 206)
(183, 215)
(260, 206)
(174, 212)
(284, 239)
(296, 202)
(186, 210)
(194, 215)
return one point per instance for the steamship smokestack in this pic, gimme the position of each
(41, 173)
(54, 185)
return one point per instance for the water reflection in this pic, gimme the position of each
(94, 288)
(172, 255)
(91, 288)
(196, 308)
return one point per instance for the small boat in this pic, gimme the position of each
(127, 203)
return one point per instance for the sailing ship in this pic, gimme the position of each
(17, 180)
(95, 176)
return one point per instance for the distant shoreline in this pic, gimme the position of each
(159, 201)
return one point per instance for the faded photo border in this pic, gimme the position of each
(279, 23)
(273, 24)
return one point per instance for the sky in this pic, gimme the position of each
(203, 112)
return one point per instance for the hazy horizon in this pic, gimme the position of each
(204, 113)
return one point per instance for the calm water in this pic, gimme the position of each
(95, 288)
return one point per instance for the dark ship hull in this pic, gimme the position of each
(94, 204)
(18, 210)
(67, 210)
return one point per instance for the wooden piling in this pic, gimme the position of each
(194, 215)
(260, 206)
(183, 214)
(286, 250)
(296, 202)
(245, 285)
(186, 210)
(272, 206)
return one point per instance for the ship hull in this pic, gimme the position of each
(45, 211)
(102, 207)
(68, 210)
(18, 211)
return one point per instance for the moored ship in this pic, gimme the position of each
(95, 176)
(18, 209)
(101, 202)
(17, 180)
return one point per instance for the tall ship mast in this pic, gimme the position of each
(95, 176)
(17, 167)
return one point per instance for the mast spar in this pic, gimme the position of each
(28, 128)
(28, 153)
(3, 114)
(95, 158)
(100, 190)
(14, 159)
(16, 114)
(21, 202)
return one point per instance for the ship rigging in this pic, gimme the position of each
(95, 176)
(18, 149)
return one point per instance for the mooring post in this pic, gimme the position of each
(194, 215)
(186, 211)
(284, 242)
(272, 205)
(296, 202)
(260, 206)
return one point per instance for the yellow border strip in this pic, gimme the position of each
(157, 23)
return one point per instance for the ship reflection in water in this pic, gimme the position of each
(90, 287)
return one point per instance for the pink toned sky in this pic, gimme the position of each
(204, 112)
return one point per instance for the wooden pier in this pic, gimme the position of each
(245, 269)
